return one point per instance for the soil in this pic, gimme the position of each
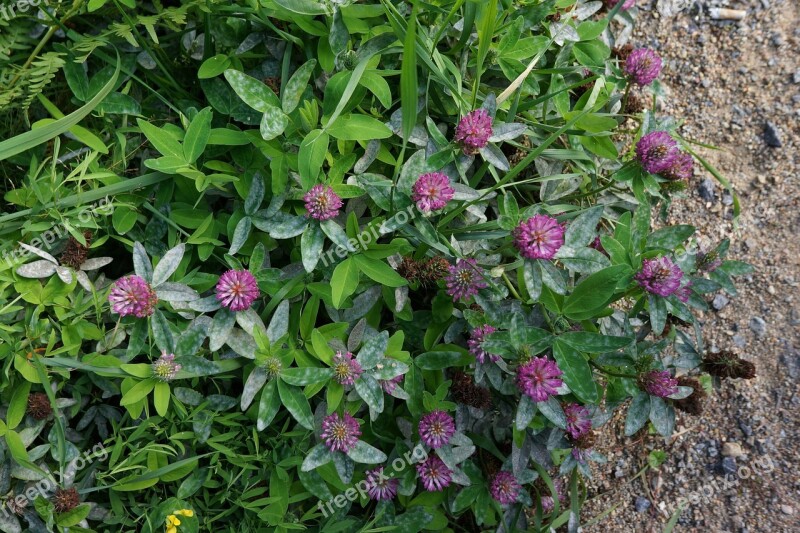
(736, 463)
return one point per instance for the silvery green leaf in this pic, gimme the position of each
(662, 416)
(204, 305)
(65, 274)
(401, 298)
(297, 84)
(168, 265)
(683, 392)
(249, 321)
(317, 456)
(95, 263)
(564, 31)
(242, 343)
(525, 412)
(582, 230)
(273, 123)
(552, 410)
(638, 412)
(192, 338)
(25, 474)
(279, 324)
(37, 269)
(29, 434)
(188, 396)
(457, 455)
(415, 166)
(366, 454)
(221, 327)
(400, 393)
(255, 381)
(84, 281)
(9, 523)
(373, 350)
(378, 187)
(111, 340)
(161, 332)
(490, 104)
(552, 276)
(532, 275)
(141, 263)
(311, 246)
(39, 252)
(389, 368)
(240, 234)
(506, 131)
(371, 392)
(255, 195)
(458, 476)
(362, 304)
(344, 467)
(176, 292)
(582, 260)
(356, 335)
(282, 226)
(370, 154)
(495, 157)
(463, 192)
(337, 235)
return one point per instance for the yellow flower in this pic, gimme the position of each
(173, 522)
(185, 512)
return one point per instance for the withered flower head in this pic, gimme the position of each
(39, 405)
(434, 269)
(726, 364)
(409, 269)
(692, 404)
(66, 499)
(586, 441)
(74, 255)
(466, 392)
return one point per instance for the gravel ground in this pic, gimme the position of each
(736, 85)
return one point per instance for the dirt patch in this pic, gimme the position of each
(736, 85)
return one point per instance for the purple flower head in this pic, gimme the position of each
(504, 487)
(681, 167)
(474, 130)
(346, 369)
(132, 295)
(322, 203)
(659, 383)
(581, 454)
(434, 474)
(432, 191)
(436, 428)
(643, 66)
(237, 290)
(659, 276)
(684, 292)
(476, 338)
(657, 152)
(465, 279)
(539, 237)
(538, 378)
(389, 385)
(579, 421)
(548, 503)
(165, 368)
(381, 487)
(340, 433)
(626, 6)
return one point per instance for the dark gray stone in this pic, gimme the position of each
(728, 466)
(758, 326)
(772, 135)
(642, 504)
(720, 301)
(707, 190)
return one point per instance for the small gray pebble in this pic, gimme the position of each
(707, 189)
(739, 341)
(642, 504)
(772, 135)
(720, 301)
(728, 466)
(758, 326)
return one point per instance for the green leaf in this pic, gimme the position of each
(303, 7)
(371, 392)
(526, 411)
(297, 404)
(594, 342)
(306, 375)
(594, 292)
(662, 416)
(161, 332)
(162, 140)
(213, 66)
(366, 454)
(379, 271)
(670, 237)
(74, 516)
(268, 405)
(638, 413)
(311, 156)
(161, 396)
(577, 373)
(437, 360)
(197, 134)
(344, 281)
(358, 128)
(532, 276)
(18, 404)
(658, 313)
(296, 85)
(138, 392)
(168, 264)
(581, 231)
(600, 145)
(408, 77)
